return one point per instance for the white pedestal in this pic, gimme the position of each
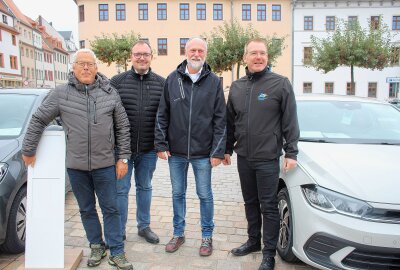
(45, 202)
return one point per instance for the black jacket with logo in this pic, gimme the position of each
(262, 117)
(191, 118)
(140, 95)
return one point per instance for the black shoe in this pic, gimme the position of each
(246, 248)
(268, 263)
(149, 235)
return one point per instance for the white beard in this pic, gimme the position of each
(196, 65)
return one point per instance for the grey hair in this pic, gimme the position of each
(84, 50)
(196, 38)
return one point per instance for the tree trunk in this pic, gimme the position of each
(352, 84)
(237, 71)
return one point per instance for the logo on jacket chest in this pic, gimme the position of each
(262, 96)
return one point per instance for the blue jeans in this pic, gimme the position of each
(144, 165)
(102, 182)
(178, 167)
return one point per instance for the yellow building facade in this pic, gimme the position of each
(168, 24)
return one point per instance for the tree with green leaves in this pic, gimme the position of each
(114, 48)
(226, 46)
(353, 46)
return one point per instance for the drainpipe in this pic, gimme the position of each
(233, 67)
(293, 8)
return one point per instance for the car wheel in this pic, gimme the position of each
(16, 228)
(285, 240)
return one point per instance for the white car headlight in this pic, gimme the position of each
(330, 201)
(3, 170)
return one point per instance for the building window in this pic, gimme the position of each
(1, 60)
(307, 56)
(246, 12)
(81, 44)
(308, 22)
(120, 12)
(201, 12)
(261, 12)
(13, 62)
(31, 54)
(276, 12)
(0, 36)
(81, 13)
(352, 21)
(393, 88)
(162, 46)
(375, 21)
(329, 88)
(143, 12)
(396, 23)
(217, 12)
(395, 61)
(22, 51)
(103, 12)
(145, 40)
(182, 44)
(5, 19)
(349, 91)
(184, 11)
(161, 11)
(14, 40)
(330, 23)
(372, 86)
(27, 53)
(307, 87)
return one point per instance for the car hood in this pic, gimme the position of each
(364, 171)
(6, 147)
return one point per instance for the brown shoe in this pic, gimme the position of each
(174, 244)
(206, 247)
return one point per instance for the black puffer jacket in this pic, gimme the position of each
(140, 95)
(191, 118)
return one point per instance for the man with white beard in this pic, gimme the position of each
(191, 128)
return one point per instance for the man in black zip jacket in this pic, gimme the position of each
(140, 90)
(261, 120)
(191, 128)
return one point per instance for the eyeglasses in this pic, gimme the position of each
(139, 55)
(83, 64)
(255, 53)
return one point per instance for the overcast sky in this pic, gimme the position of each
(62, 13)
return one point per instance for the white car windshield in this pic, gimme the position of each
(14, 112)
(348, 122)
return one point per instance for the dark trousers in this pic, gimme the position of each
(259, 181)
(103, 183)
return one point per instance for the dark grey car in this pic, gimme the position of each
(16, 108)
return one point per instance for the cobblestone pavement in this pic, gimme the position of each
(230, 229)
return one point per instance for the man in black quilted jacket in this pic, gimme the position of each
(140, 90)
(95, 123)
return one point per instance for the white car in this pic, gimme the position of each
(340, 207)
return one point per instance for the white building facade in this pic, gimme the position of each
(318, 18)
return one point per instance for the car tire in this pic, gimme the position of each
(285, 240)
(16, 228)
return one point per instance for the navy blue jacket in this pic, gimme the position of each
(191, 117)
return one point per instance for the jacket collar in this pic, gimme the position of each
(137, 75)
(256, 75)
(182, 68)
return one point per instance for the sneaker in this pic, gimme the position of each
(206, 247)
(174, 244)
(120, 262)
(97, 252)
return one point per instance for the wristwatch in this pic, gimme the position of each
(124, 160)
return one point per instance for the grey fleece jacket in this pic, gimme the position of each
(94, 122)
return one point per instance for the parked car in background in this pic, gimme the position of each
(395, 102)
(16, 109)
(340, 207)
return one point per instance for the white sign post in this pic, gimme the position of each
(44, 246)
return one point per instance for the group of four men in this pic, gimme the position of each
(123, 125)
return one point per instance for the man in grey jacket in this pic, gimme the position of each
(92, 115)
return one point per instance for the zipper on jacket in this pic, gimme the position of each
(89, 133)
(190, 119)
(248, 117)
(181, 88)
(140, 113)
(95, 111)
